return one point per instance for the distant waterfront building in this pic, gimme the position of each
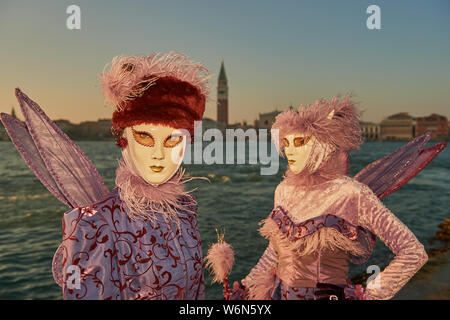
(265, 120)
(435, 123)
(240, 125)
(13, 113)
(99, 130)
(399, 126)
(371, 131)
(65, 125)
(208, 123)
(222, 97)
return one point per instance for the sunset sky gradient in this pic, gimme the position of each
(276, 53)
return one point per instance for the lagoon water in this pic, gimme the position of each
(236, 198)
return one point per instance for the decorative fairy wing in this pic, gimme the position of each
(21, 138)
(391, 172)
(56, 160)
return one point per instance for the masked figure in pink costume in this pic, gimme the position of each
(140, 240)
(322, 219)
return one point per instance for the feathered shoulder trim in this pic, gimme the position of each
(326, 232)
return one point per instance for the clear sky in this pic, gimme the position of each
(276, 53)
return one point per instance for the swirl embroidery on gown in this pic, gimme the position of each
(123, 259)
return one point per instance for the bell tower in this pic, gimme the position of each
(222, 97)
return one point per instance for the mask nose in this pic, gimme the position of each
(158, 153)
(288, 151)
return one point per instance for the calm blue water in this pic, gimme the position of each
(236, 199)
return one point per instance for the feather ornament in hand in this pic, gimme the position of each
(220, 259)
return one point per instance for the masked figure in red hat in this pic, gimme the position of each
(139, 241)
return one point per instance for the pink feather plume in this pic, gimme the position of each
(220, 260)
(125, 78)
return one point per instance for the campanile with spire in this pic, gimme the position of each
(222, 97)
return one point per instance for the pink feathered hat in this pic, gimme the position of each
(342, 131)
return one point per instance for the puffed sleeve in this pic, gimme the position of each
(410, 254)
(89, 265)
(260, 280)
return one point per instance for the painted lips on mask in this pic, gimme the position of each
(297, 148)
(156, 168)
(156, 151)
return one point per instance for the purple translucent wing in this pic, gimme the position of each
(57, 161)
(391, 172)
(70, 169)
(425, 156)
(21, 138)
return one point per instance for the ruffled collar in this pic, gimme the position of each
(334, 167)
(145, 201)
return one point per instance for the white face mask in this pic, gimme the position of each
(297, 149)
(155, 150)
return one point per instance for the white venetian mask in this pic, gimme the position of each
(297, 148)
(156, 151)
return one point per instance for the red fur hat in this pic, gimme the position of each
(167, 89)
(169, 101)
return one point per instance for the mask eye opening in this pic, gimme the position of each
(173, 140)
(143, 138)
(301, 141)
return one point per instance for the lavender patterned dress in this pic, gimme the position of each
(120, 258)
